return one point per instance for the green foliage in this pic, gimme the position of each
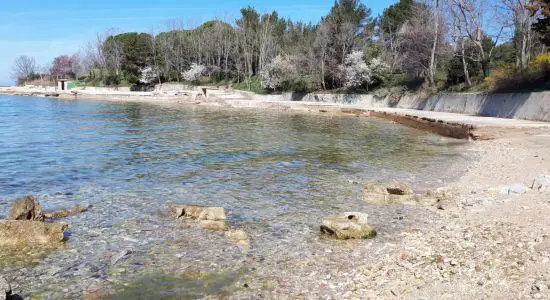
(135, 49)
(252, 84)
(395, 16)
(542, 26)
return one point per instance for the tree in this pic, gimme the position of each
(62, 66)
(541, 10)
(278, 72)
(393, 18)
(194, 73)
(23, 67)
(359, 74)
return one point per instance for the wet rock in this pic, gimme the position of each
(22, 233)
(5, 288)
(541, 183)
(64, 213)
(27, 208)
(198, 212)
(393, 193)
(213, 225)
(351, 225)
(238, 236)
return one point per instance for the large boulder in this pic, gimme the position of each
(351, 225)
(28, 209)
(24, 233)
(198, 212)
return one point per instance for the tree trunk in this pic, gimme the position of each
(434, 46)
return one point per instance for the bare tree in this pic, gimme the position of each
(472, 13)
(522, 22)
(23, 67)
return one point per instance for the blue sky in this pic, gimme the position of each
(45, 29)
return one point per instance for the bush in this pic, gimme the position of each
(540, 62)
(252, 84)
(278, 73)
(509, 79)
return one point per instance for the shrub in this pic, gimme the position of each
(540, 62)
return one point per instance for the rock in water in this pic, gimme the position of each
(23, 233)
(352, 225)
(64, 213)
(213, 225)
(392, 193)
(198, 212)
(27, 208)
(5, 288)
(238, 236)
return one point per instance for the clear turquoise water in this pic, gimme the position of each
(275, 173)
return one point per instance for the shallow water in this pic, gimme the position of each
(277, 174)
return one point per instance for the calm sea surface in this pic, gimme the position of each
(277, 175)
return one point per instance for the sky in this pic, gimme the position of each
(46, 29)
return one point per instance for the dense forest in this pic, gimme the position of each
(433, 45)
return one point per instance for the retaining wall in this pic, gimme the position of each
(528, 106)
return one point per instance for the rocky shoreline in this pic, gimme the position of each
(487, 238)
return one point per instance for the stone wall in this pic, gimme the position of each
(528, 106)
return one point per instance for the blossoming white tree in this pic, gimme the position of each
(148, 75)
(358, 73)
(277, 72)
(194, 73)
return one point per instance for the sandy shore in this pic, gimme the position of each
(489, 239)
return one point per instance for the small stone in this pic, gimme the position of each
(238, 236)
(198, 212)
(119, 256)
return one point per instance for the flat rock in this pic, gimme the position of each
(213, 225)
(22, 233)
(351, 225)
(65, 213)
(27, 208)
(198, 212)
(393, 193)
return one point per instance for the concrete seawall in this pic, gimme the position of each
(526, 106)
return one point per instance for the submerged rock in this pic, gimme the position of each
(238, 236)
(352, 225)
(22, 233)
(64, 213)
(27, 208)
(5, 288)
(210, 218)
(394, 193)
(213, 225)
(198, 212)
